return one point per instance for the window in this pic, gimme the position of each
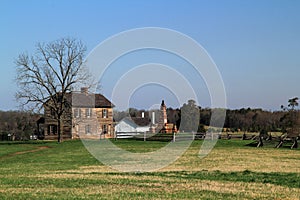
(88, 112)
(88, 129)
(77, 113)
(52, 112)
(104, 113)
(52, 130)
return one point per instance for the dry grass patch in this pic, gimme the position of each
(239, 159)
(164, 186)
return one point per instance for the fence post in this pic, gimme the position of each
(174, 137)
(144, 136)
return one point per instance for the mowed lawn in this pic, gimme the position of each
(233, 170)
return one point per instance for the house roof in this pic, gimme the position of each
(89, 100)
(141, 121)
(102, 101)
(137, 121)
(128, 120)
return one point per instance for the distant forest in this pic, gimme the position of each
(245, 119)
(21, 125)
(17, 125)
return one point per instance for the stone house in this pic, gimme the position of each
(89, 116)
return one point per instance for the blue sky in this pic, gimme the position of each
(255, 44)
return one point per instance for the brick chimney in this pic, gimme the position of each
(84, 90)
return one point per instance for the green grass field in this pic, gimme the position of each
(233, 170)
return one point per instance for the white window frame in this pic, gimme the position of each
(88, 129)
(104, 113)
(88, 112)
(77, 112)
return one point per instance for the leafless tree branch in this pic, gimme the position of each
(46, 77)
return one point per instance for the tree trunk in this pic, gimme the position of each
(59, 130)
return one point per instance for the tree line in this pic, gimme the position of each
(244, 119)
(20, 125)
(17, 125)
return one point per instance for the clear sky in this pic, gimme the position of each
(255, 44)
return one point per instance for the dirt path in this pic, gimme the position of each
(23, 152)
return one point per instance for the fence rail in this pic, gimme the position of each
(147, 136)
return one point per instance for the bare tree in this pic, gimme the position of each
(46, 77)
